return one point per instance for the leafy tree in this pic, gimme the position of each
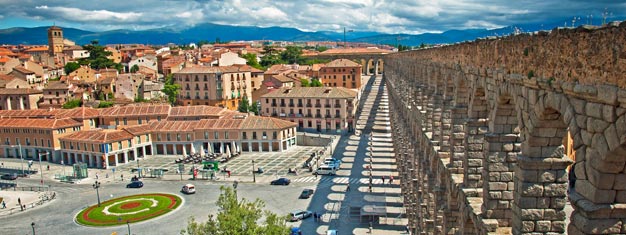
(291, 54)
(171, 89)
(105, 104)
(71, 67)
(134, 69)
(254, 108)
(73, 103)
(244, 105)
(305, 82)
(110, 96)
(98, 57)
(252, 60)
(316, 83)
(238, 217)
(202, 42)
(321, 48)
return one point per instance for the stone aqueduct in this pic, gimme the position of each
(479, 130)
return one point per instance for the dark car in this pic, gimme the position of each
(9, 177)
(306, 193)
(135, 184)
(281, 181)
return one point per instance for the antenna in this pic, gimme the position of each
(605, 15)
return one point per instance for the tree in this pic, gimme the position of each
(71, 67)
(254, 108)
(291, 54)
(73, 103)
(170, 89)
(238, 217)
(244, 105)
(105, 104)
(252, 60)
(134, 69)
(321, 48)
(305, 82)
(316, 83)
(98, 57)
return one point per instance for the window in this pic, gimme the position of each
(117, 121)
(85, 146)
(158, 137)
(130, 143)
(125, 121)
(119, 145)
(254, 135)
(206, 135)
(226, 135)
(188, 137)
(49, 144)
(139, 120)
(274, 135)
(148, 137)
(159, 118)
(216, 135)
(264, 135)
(169, 138)
(177, 137)
(244, 135)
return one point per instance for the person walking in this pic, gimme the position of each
(19, 201)
(383, 177)
(4, 204)
(390, 179)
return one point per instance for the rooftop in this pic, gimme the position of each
(311, 92)
(216, 69)
(137, 110)
(19, 91)
(98, 136)
(196, 110)
(355, 51)
(39, 123)
(342, 63)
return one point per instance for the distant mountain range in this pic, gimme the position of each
(211, 32)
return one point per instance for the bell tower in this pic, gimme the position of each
(55, 40)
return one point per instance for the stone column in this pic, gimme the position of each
(474, 153)
(9, 103)
(499, 162)
(21, 102)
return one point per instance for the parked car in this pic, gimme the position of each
(281, 181)
(135, 184)
(306, 193)
(9, 176)
(189, 189)
(299, 215)
(331, 232)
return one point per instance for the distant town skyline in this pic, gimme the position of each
(401, 16)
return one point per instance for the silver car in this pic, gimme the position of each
(300, 215)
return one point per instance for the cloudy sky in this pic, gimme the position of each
(387, 16)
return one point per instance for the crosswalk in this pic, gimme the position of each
(337, 180)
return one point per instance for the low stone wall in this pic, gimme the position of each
(304, 139)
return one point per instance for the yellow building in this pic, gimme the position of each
(216, 86)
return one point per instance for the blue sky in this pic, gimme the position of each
(385, 16)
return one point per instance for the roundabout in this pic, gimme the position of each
(128, 209)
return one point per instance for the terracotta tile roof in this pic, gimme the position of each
(33, 113)
(316, 67)
(222, 123)
(257, 122)
(37, 49)
(136, 110)
(4, 59)
(282, 78)
(250, 68)
(98, 136)
(23, 70)
(76, 113)
(138, 129)
(56, 85)
(39, 123)
(6, 52)
(355, 51)
(174, 126)
(312, 92)
(6, 77)
(216, 69)
(196, 110)
(174, 61)
(19, 91)
(342, 63)
(107, 80)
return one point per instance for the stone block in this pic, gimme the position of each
(620, 182)
(543, 203)
(593, 194)
(593, 110)
(600, 180)
(555, 190)
(528, 226)
(497, 186)
(531, 214)
(608, 113)
(495, 195)
(507, 195)
(558, 227)
(596, 226)
(558, 203)
(499, 167)
(547, 176)
(506, 176)
(596, 125)
(543, 226)
(620, 197)
(552, 214)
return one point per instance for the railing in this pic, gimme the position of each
(327, 105)
(318, 105)
(291, 104)
(282, 105)
(318, 115)
(337, 105)
(327, 116)
(299, 104)
(337, 116)
(308, 105)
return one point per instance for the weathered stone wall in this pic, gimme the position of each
(588, 56)
(482, 145)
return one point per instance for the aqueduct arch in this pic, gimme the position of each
(479, 130)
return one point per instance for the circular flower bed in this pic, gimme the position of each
(130, 208)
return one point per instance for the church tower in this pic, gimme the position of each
(55, 40)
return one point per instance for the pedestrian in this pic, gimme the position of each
(96, 176)
(19, 201)
(4, 204)
(122, 176)
(383, 177)
(390, 179)
(48, 167)
(348, 188)
(228, 174)
(107, 175)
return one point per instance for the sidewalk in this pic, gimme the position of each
(27, 198)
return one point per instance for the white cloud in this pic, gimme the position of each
(76, 14)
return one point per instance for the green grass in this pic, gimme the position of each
(98, 218)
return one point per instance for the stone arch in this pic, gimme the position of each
(501, 149)
(380, 66)
(475, 130)
(363, 63)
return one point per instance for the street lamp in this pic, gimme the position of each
(138, 168)
(33, 225)
(96, 186)
(253, 172)
(128, 224)
(40, 167)
(235, 187)
(21, 156)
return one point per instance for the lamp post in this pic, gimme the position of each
(96, 186)
(33, 225)
(253, 172)
(138, 168)
(21, 156)
(40, 167)
(235, 187)
(128, 224)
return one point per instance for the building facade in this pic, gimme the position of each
(55, 40)
(321, 109)
(341, 73)
(216, 86)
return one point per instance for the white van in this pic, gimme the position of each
(189, 189)
(326, 170)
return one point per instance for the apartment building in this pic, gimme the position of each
(341, 73)
(320, 109)
(216, 86)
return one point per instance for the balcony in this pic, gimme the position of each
(318, 105)
(282, 104)
(273, 104)
(327, 106)
(337, 116)
(327, 116)
(299, 104)
(337, 105)
(291, 105)
(274, 114)
(318, 115)
(308, 105)
(309, 115)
